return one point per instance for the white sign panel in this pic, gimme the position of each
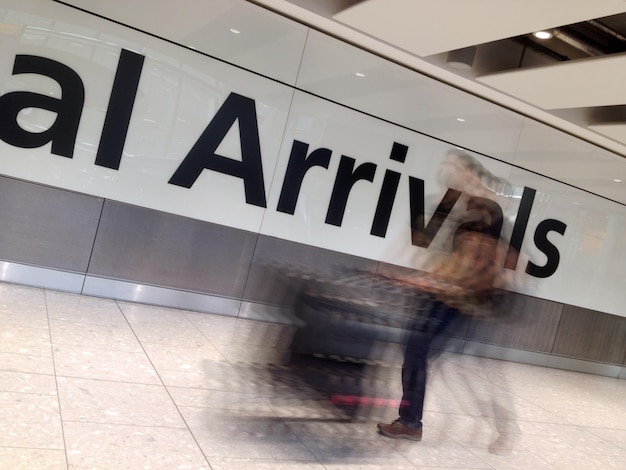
(132, 118)
(111, 112)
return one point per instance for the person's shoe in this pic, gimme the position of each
(397, 429)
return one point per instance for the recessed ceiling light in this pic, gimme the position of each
(234, 31)
(460, 119)
(359, 74)
(542, 34)
(617, 181)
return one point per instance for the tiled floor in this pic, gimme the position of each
(98, 384)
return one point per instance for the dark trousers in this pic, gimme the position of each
(424, 329)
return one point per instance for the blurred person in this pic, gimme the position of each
(463, 378)
(462, 279)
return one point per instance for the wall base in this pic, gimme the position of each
(76, 283)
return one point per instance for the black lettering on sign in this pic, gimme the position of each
(68, 108)
(347, 176)
(120, 108)
(519, 229)
(299, 164)
(496, 218)
(551, 251)
(388, 192)
(202, 155)
(422, 235)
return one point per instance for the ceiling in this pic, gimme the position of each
(573, 81)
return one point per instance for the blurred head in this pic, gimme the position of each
(460, 171)
(464, 173)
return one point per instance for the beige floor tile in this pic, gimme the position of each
(614, 436)
(271, 380)
(533, 411)
(137, 313)
(181, 358)
(106, 446)
(334, 429)
(262, 335)
(15, 458)
(214, 324)
(24, 382)
(26, 363)
(452, 380)
(25, 317)
(18, 339)
(30, 420)
(247, 435)
(477, 432)
(56, 299)
(603, 462)
(97, 336)
(253, 448)
(516, 460)
(100, 401)
(206, 381)
(291, 409)
(436, 450)
(597, 416)
(207, 374)
(581, 439)
(218, 399)
(234, 424)
(104, 364)
(533, 428)
(143, 386)
(13, 296)
(344, 452)
(92, 316)
(251, 333)
(247, 354)
(263, 464)
(361, 466)
(170, 335)
(82, 309)
(575, 449)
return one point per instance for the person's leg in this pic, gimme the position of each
(414, 372)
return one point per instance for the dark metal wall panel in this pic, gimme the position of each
(151, 247)
(595, 336)
(275, 257)
(48, 227)
(529, 323)
(58, 229)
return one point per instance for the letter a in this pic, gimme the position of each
(202, 155)
(422, 234)
(68, 108)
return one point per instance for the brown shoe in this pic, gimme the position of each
(397, 429)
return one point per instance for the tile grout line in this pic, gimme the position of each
(299, 437)
(533, 401)
(206, 458)
(263, 399)
(56, 381)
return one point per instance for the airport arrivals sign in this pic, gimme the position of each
(238, 113)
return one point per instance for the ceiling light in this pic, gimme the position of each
(234, 31)
(542, 34)
(460, 119)
(617, 181)
(359, 74)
